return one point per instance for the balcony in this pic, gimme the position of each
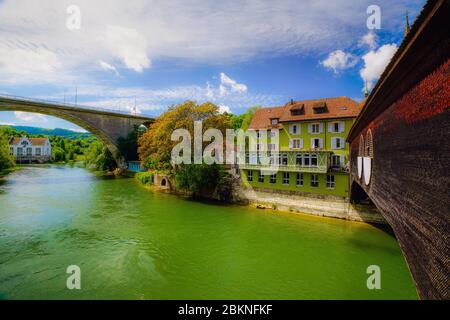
(307, 162)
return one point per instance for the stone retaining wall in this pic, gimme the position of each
(301, 203)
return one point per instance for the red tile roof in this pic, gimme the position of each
(335, 108)
(33, 141)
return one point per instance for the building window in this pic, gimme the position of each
(273, 178)
(271, 146)
(330, 181)
(299, 180)
(38, 151)
(314, 160)
(337, 143)
(19, 151)
(285, 178)
(261, 177)
(294, 129)
(258, 134)
(274, 121)
(335, 161)
(315, 128)
(316, 143)
(369, 144)
(306, 159)
(315, 180)
(250, 176)
(336, 127)
(284, 159)
(298, 159)
(271, 133)
(296, 143)
(29, 151)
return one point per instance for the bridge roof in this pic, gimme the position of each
(421, 52)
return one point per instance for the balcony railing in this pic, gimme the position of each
(289, 167)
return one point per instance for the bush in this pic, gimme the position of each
(198, 178)
(145, 177)
(99, 157)
(6, 161)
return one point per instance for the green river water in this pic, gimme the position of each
(134, 244)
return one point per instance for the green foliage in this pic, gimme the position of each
(128, 146)
(6, 161)
(155, 145)
(243, 121)
(99, 157)
(145, 177)
(58, 154)
(68, 147)
(198, 178)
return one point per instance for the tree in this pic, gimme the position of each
(155, 145)
(99, 157)
(6, 160)
(243, 121)
(128, 146)
(203, 178)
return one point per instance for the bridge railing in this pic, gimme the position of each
(68, 105)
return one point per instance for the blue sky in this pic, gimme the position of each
(233, 53)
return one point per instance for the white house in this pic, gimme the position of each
(26, 149)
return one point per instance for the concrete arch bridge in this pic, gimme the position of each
(107, 125)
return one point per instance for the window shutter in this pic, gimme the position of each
(290, 128)
(342, 143)
(311, 146)
(309, 128)
(330, 127)
(301, 143)
(291, 143)
(321, 127)
(341, 126)
(333, 143)
(320, 142)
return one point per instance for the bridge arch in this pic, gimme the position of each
(107, 126)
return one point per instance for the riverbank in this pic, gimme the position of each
(5, 172)
(331, 207)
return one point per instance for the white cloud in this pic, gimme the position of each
(339, 60)
(36, 45)
(128, 45)
(7, 124)
(375, 61)
(106, 66)
(369, 39)
(30, 117)
(229, 85)
(224, 108)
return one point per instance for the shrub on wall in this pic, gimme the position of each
(145, 177)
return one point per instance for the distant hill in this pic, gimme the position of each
(53, 132)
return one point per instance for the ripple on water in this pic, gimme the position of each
(131, 243)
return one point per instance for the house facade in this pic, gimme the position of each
(312, 155)
(28, 150)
